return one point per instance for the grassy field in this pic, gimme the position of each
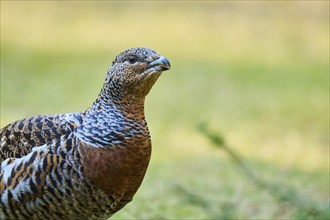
(256, 73)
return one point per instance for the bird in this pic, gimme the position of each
(88, 164)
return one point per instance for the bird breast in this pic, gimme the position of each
(118, 170)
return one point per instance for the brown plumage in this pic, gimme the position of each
(87, 164)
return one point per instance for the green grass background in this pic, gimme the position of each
(256, 72)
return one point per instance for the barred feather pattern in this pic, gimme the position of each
(31, 184)
(18, 138)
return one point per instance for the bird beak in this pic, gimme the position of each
(161, 64)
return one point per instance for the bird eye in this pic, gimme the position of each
(132, 59)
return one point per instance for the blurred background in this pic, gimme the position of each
(255, 73)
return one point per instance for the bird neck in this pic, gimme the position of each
(129, 105)
(109, 120)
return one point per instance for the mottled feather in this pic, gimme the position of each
(18, 138)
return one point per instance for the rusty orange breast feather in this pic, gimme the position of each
(118, 170)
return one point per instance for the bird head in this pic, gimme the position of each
(133, 73)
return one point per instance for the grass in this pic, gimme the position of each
(282, 194)
(256, 73)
